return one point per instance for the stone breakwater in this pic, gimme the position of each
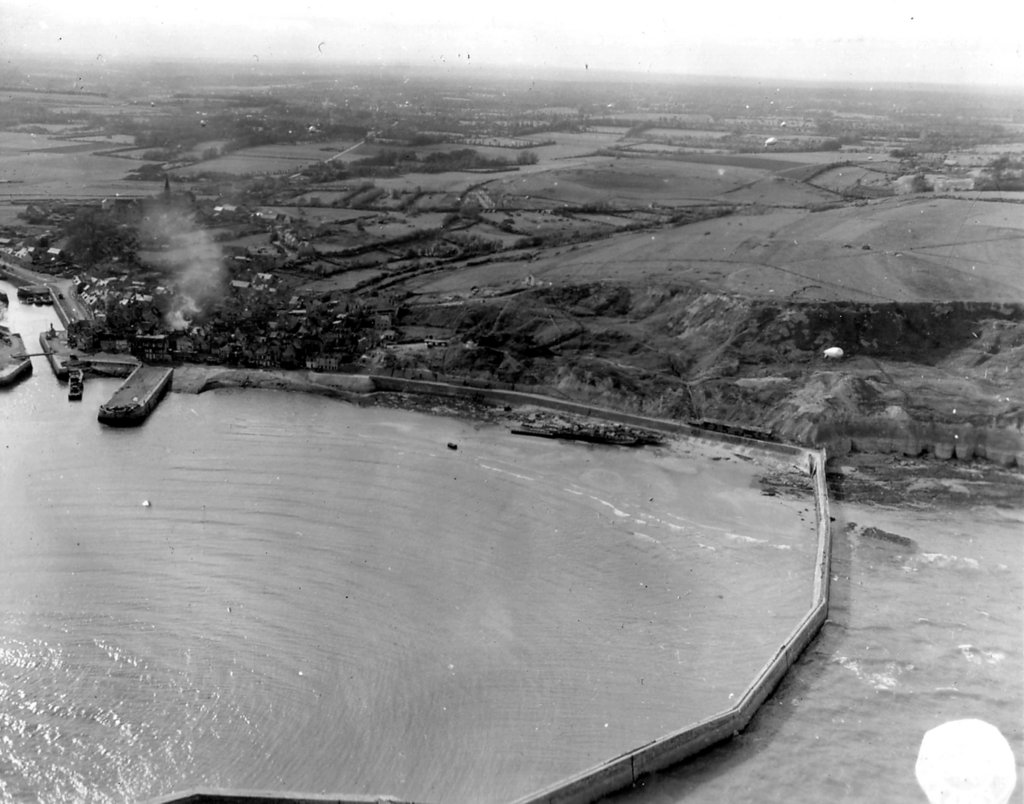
(14, 367)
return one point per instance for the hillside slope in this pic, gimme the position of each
(917, 377)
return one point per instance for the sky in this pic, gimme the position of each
(929, 41)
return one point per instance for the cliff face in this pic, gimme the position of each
(916, 377)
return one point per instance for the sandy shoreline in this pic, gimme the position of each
(865, 477)
(195, 379)
(357, 389)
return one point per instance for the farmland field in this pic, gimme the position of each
(880, 158)
(629, 182)
(486, 151)
(777, 191)
(70, 103)
(112, 140)
(133, 153)
(683, 134)
(847, 177)
(682, 117)
(319, 197)
(241, 164)
(395, 226)
(346, 280)
(248, 241)
(9, 212)
(277, 158)
(569, 144)
(319, 215)
(659, 147)
(35, 166)
(894, 250)
(20, 142)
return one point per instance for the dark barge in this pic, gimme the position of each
(612, 434)
(137, 396)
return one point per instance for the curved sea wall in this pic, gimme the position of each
(625, 770)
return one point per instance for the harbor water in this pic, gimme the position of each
(274, 591)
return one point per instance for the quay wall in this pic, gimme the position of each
(8, 275)
(58, 366)
(61, 310)
(61, 359)
(15, 373)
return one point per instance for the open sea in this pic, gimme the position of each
(325, 598)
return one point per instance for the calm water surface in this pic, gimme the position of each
(326, 599)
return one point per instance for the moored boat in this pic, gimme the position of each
(76, 384)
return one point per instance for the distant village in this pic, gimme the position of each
(253, 326)
(252, 315)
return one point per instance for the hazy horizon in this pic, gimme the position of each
(872, 42)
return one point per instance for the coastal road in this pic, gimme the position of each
(62, 290)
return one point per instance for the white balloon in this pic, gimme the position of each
(966, 762)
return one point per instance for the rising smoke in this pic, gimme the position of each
(194, 262)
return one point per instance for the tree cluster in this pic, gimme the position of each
(95, 236)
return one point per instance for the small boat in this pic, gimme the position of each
(452, 445)
(76, 383)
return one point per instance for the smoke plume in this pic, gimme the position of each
(193, 260)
